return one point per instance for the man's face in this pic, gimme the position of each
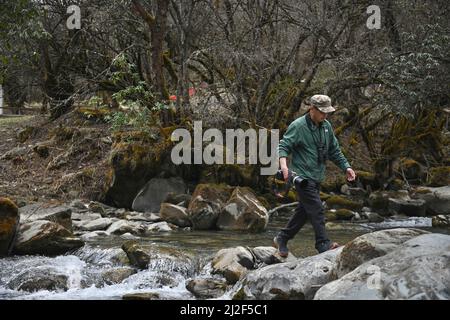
(317, 116)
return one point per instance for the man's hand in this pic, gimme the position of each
(284, 168)
(351, 175)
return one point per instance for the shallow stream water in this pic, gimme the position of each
(165, 277)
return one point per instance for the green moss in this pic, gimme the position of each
(439, 177)
(95, 113)
(333, 183)
(7, 205)
(397, 184)
(344, 214)
(366, 174)
(324, 196)
(423, 191)
(338, 202)
(330, 216)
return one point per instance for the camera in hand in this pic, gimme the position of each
(322, 155)
(293, 178)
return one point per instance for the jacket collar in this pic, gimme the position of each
(311, 124)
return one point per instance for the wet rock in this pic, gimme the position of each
(123, 226)
(42, 211)
(206, 204)
(206, 288)
(441, 221)
(128, 236)
(98, 224)
(141, 296)
(410, 207)
(159, 227)
(46, 238)
(268, 255)
(85, 217)
(243, 212)
(142, 216)
(374, 217)
(233, 263)
(415, 270)
(151, 196)
(39, 278)
(175, 214)
(370, 246)
(295, 280)
(90, 236)
(9, 224)
(136, 254)
(117, 275)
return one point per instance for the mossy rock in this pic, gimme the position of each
(9, 222)
(133, 164)
(368, 179)
(339, 202)
(333, 183)
(230, 174)
(397, 184)
(411, 169)
(324, 196)
(439, 177)
(330, 215)
(344, 214)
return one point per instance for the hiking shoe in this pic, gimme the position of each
(281, 245)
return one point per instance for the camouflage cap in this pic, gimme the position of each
(322, 102)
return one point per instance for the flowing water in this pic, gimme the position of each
(83, 271)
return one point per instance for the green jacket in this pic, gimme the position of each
(301, 140)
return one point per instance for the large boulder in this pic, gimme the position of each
(379, 200)
(46, 238)
(437, 199)
(294, 280)
(370, 246)
(135, 158)
(9, 223)
(175, 214)
(150, 197)
(243, 212)
(206, 205)
(416, 270)
(41, 211)
(409, 207)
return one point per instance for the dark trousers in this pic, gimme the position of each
(309, 207)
